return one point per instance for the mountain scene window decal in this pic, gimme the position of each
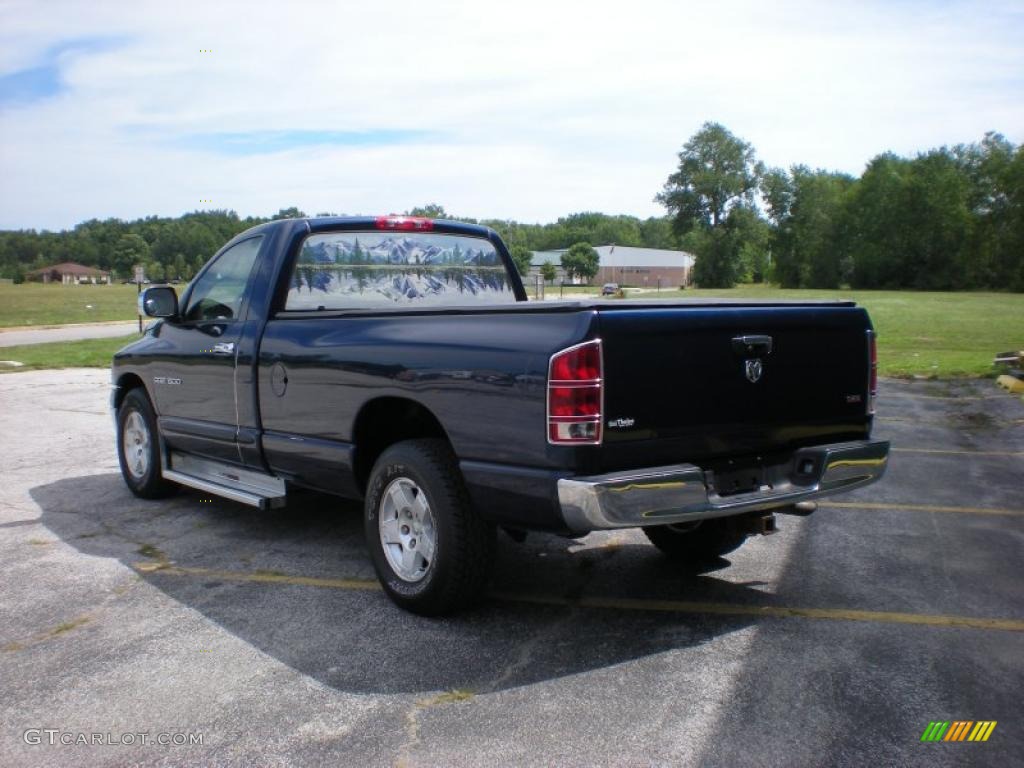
(346, 270)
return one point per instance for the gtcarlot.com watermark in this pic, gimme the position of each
(57, 737)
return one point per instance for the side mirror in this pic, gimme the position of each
(160, 301)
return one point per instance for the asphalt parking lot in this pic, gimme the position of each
(834, 642)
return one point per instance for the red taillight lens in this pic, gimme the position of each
(873, 363)
(575, 395)
(405, 223)
(575, 401)
(578, 364)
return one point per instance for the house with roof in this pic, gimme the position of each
(69, 273)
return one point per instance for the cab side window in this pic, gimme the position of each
(218, 293)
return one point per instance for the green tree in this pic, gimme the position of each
(911, 224)
(938, 220)
(521, 256)
(810, 240)
(581, 261)
(717, 174)
(288, 213)
(878, 226)
(429, 211)
(155, 271)
(751, 237)
(179, 268)
(656, 232)
(994, 169)
(715, 265)
(716, 171)
(129, 251)
(777, 193)
(1009, 222)
(548, 271)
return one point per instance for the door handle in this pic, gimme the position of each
(224, 348)
(760, 346)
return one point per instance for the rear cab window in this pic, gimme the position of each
(370, 269)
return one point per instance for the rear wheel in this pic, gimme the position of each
(700, 540)
(138, 447)
(433, 554)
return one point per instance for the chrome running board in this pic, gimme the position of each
(256, 489)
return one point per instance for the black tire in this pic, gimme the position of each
(697, 542)
(464, 544)
(147, 484)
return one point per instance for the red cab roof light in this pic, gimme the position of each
(405, 223)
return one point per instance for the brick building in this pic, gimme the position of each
(628, 266)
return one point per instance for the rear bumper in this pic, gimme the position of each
(684, 492)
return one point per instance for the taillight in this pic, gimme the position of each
(405, 223)
(873, 368)
(575, 395)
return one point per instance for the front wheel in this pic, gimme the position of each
(699, 541)
(138, 447)
(433, 554)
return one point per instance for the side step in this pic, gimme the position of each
(243, 485)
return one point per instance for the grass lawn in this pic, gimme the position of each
(937, 335)
(89, 353)
(54, 304)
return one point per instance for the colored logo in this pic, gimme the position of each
(958, 730)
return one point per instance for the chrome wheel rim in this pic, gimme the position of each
(407, 532)
(135, 445)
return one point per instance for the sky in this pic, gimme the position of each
(515, 110)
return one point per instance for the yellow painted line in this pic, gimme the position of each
(268, 578)
(624, 603)
(922, 396)
(772, 611)
(942, 451)
(922, 508)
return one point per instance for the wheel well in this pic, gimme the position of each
(126, 384)
(384, 422)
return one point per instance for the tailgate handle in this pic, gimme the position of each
(752, 346)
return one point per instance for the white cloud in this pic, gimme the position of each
(527, 110)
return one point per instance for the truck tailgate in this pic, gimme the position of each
(682, 385)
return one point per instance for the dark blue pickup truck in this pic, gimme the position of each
(396, 360)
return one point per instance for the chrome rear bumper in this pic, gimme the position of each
(685, 492)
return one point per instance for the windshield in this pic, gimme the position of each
(350, 270)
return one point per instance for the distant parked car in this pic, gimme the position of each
(610, 289)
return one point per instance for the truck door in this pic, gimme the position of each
(194, 380)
